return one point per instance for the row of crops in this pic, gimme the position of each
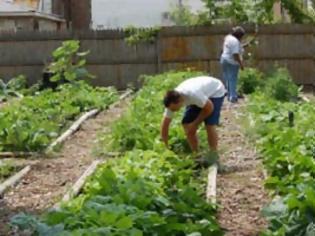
(283, 128)
(148, 190)
(31, 123)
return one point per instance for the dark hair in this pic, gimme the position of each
(238, 32)
(171, 96)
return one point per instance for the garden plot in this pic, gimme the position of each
(288, 150)
(148, 189)
(50, 179)
(32, 123)
(7, 170)
(281, 125)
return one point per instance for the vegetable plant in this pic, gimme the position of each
(288, 156)
(68, 63)
(31, 123)
(250, 80)
(13, 88)
(148, 190)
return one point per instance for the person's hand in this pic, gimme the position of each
(242, 66)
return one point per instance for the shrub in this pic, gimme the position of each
(280, 86)
(249, 81)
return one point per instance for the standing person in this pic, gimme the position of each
(232, 60)
(203, 97)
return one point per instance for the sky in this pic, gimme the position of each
(113, 13)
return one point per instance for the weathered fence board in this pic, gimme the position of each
(114, 62)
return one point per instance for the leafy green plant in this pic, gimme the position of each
(6, 170)
(149, 190)
(14, 88)
(31, 123)
(280, 85)
(243, 11)
(288, 156)
(135, 35)
(182, 16)
(69, 63)
(250, 80)
(142, 193)
(128, 133)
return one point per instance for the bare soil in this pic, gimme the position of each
(241, 194)
(50, 178)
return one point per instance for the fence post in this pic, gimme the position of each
(158, 53)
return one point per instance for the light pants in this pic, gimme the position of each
(230, 75)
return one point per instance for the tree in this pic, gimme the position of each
(181, 15)
(244, 11)
(297, 11)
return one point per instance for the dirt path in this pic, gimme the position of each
(49, 179)
(240, 190)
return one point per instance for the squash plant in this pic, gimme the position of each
(68, 63)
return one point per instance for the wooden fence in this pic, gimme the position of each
(116, 63)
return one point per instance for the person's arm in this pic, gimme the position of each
(164, 129)
(237, 58)
(249, 42)
(205, 112)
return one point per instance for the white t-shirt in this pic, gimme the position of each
(231, 46)
(197, 91)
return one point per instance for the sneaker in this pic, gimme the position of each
(234, 100)
(207, 159)
(202, 162)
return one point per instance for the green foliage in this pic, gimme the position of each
(69, 63)
(144, 192)
(146, 111)
(288, 153)
(250, 80)
(14, 88)
(6, 170)
(237, 10)
(277, 85)
(31, 123)
(280, 85)
(134, 36)
(182, 16)
(297, 12)
(242, 11)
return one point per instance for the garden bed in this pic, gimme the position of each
(288, 161)
(7, 169)
(43, 117)
(149, 189)
(13, 178)
(280, 122)
(51, 178)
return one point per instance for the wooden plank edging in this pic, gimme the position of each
(13, 180)
(17, 154)
(212, 184)
(78, 185)
(73, 128)
(305, 99)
